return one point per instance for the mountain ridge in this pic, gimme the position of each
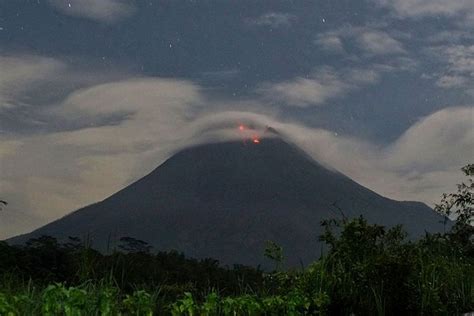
(224, 200)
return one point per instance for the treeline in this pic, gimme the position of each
(45, 261)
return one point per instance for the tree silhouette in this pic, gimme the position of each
(274, 252)
(132, 245)
(460, 205)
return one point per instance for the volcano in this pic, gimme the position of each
(225, 200)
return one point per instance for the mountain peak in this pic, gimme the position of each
(225, 200)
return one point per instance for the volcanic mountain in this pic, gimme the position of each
(225, 200)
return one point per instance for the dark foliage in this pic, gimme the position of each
(45, 261)
(369, 270)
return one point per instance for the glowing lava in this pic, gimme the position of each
(247, 136)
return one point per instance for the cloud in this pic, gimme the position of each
(421, 164)
(379, 43)
(318, 87)
(22, 73)
(461, 10)
(153, 107)
(427, 157)
(273, 19)
(451, 36)
(331, 43)
(50, 174)
(302, 92)
(459, 69)
(31, 80)
(442, 139)
(107, 11)
(447, 81)
(8, 147)
(219, 75)
(429, 7)
(460, 58)
(371, 41)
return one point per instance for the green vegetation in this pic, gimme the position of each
(368, 270)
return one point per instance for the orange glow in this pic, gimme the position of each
(256, 141)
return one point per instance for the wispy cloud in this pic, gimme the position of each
(107, 11)
(371, 41)
(50, 174)
(458, 63)
(421, 8)
(22, 73)
(420, 165)
(330, 42)
(317, 88)
(27, 81)
(379, 43)
(272, 19)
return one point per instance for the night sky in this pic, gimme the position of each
(94, 94)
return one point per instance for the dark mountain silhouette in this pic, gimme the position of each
(226, 200)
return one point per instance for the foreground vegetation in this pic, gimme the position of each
(369, 270)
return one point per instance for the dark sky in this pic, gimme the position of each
(93, 94)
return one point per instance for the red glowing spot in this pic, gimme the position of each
(241, 127)
(256, 141)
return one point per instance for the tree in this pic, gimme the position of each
(132, 245)
(274, 252)
(460, 205)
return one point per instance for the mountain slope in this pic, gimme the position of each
(225, 200)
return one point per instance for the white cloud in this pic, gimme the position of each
(461, 59)
(451, 81)
(51, 174)
(459, 69)
(8, 147)
(319, 87)
(331, 43)
(98, 10)
(442, 139)
(23, 79)
(451, 36)
(460, 10)
(371, 41)
(154, 107)
(379, 43)
(427, 157)
(420, 165)
(21, 73)
(429, 7)
(314, 90)
(273, 19)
